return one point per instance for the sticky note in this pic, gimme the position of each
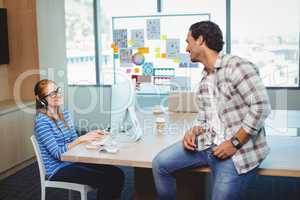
(163, 37)
(113, 45)
(157, 55)
(116, 50)
(163, 55)
(157, 50)
(176, 60)
(143, 50)
(130, 42)
(116, 56)
(136, 70)
(128, 70)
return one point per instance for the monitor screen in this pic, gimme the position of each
(4, 52)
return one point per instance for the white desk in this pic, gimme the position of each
(282, 161)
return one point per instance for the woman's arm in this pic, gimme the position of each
(88, 137)
(44, 134)
(75, 140)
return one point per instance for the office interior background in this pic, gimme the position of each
(71, 42)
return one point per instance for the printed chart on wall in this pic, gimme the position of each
(152, 49)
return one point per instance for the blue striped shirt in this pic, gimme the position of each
(53, 141)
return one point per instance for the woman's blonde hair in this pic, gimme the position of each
(40, 91)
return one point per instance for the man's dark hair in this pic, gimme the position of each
(211, 33)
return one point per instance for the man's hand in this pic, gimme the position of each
(189, 140)
(190, 136)
(224, 150)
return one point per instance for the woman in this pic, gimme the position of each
(56, 134)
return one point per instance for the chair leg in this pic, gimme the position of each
(43, 193)
(83, 195)
(70, 194)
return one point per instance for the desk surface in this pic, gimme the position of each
(283, 159)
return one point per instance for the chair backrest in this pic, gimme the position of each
(39, 158)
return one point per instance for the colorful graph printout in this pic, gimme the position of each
(148, 69)
(184, 58)
(125, 57)
(137, 36)
(153, 29)
(173, 48)
(120, 38)
(185, 61)
(138, 59)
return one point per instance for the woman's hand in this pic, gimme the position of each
(88, 137)
(92, 136)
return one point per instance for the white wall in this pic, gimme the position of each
(52, 41)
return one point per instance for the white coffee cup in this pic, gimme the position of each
(160, 124)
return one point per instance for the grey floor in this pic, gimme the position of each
(25, 185)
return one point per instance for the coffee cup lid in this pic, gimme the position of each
(160, 119)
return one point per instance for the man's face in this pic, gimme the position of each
(194, 47)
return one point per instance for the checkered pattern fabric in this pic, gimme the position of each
(242, 102)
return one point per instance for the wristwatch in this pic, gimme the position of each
(235, 142)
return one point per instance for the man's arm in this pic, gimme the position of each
(245, 78)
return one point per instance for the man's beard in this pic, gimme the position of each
(194, 60)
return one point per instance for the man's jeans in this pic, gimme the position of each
(227, 183)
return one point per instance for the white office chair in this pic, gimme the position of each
(83, 189)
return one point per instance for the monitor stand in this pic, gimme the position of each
(130, 133)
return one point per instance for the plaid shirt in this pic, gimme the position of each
(242, 102)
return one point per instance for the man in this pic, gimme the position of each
(229, 134)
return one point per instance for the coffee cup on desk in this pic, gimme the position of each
(157, 110)
(160, 124)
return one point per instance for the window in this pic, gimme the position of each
(217, 11)
(267, 33)
(261, 31)
(80, 42)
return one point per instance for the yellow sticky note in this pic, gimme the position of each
(130, 42)
(157, 50)
(157, 55)
(163, 37)
(176, 60)
(163, 55)
(113, 45)
(143, 50)
(136, 70)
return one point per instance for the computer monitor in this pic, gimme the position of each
(124, 122)
(90, 106)
(109, 107)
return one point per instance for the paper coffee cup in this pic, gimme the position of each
(160, 124)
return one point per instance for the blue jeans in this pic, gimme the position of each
(227, 183)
